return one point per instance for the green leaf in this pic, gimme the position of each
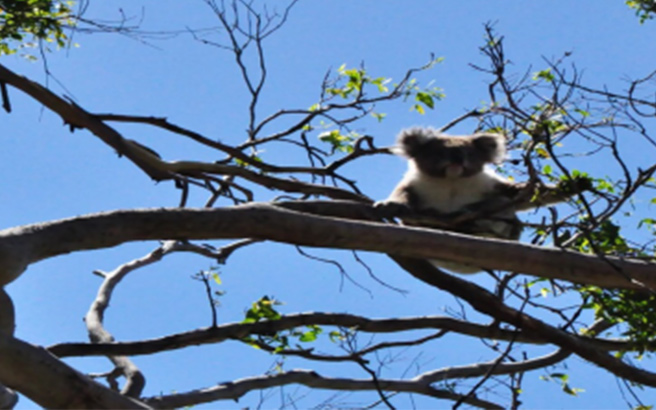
(604, 185)
(339, 141)
(534, 281)
(582, 112)
(216, 278)
(244, 164)
(425, 99)
(262, 309)
(561, 376)
(545, 74)
(573, 391)
(380, 83)
(308, 337)
(543, 153)
(312, 334)
(29, 22)
(335, 336)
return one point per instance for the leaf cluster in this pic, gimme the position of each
(563, 380)
(607, 239)
(636, 310)
(29, 21)
(353, 80)
(277, 342)
(644, 9)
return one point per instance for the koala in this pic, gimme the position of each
(448, 179)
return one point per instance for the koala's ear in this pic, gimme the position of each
(492, 147)
(411, 141)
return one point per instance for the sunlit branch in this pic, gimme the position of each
(238, 331)
(237, 388)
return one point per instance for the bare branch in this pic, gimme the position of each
(238, 331)
(494, 367)
(235, 389)
(487, 303)
(51, 382)
(144, 158)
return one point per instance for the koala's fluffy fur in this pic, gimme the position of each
(447, 175)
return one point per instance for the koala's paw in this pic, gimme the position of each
(389, 209)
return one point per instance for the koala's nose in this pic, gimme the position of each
(457, 157)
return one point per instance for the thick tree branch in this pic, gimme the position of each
(263, 221)
(21, 246)
(52, 383)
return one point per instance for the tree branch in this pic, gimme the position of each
(237, 331)
(51, 382)
(135, 380)
(28, 244)
(235, 389)
(489, 304)
(146, 159)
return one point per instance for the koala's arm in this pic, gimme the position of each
(405, 203)
(402, 200)
(525, 196)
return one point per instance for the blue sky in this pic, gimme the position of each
(50, 173)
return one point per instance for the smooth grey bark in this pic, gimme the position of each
(50, 382)
(22, 246)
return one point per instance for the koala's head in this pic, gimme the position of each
(442, 156)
